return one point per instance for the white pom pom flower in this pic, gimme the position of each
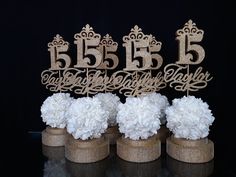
(160, 101)
(138, 118)
(189, 118)
(110, 103)
(53, 109)
(86, 118)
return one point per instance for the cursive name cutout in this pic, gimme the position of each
(180, 79)
(92, 81)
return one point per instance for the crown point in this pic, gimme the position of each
(136, 28)
(191, 29)
(57, 41)
(57, 37)
(87, 28)
(87, 33)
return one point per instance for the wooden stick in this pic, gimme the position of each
(188, 74)
(87, 76)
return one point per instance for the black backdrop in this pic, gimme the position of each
(29, 25)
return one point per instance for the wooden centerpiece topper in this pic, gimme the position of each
(96, 55)
(192, 145)
(141, 58)
(178, 75)
(92, 54)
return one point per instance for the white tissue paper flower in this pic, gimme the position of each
(138, 118)
(110, 103)
(189, 118)
(160, 101)
(53, 109)
(86, 118)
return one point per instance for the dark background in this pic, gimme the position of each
(27, 27)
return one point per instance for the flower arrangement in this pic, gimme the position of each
(54, 108)
(160, 101)
(189, 118)
(87, 118)
(109, 102)
(87, 122)
(138, 118)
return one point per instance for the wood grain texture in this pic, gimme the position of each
(190, 151)
(112, 134)
(54, 136)
(163, 133)
(86, 151)
(139, 150)
(179, 75)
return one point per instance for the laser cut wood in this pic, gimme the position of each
(141, 50)
(179, 75)
(134, 41)
(178, 78)
(154, 48)
(108, 47)
(141, 55)
(127, 83)
(189, 52)
(56, 47)
(87, 41)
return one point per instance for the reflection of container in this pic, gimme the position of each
(139, 150)
(112, 134)
(149, 169)
(55, 153)
(96, 169)
(54, 136)
(163, 133)
(55, 165)
(55, 168)
(86, 151)
(191, 151)
(112, 168)
(182, 169)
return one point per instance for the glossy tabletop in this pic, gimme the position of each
(43, 161)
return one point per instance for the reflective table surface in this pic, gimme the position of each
(37, 160)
